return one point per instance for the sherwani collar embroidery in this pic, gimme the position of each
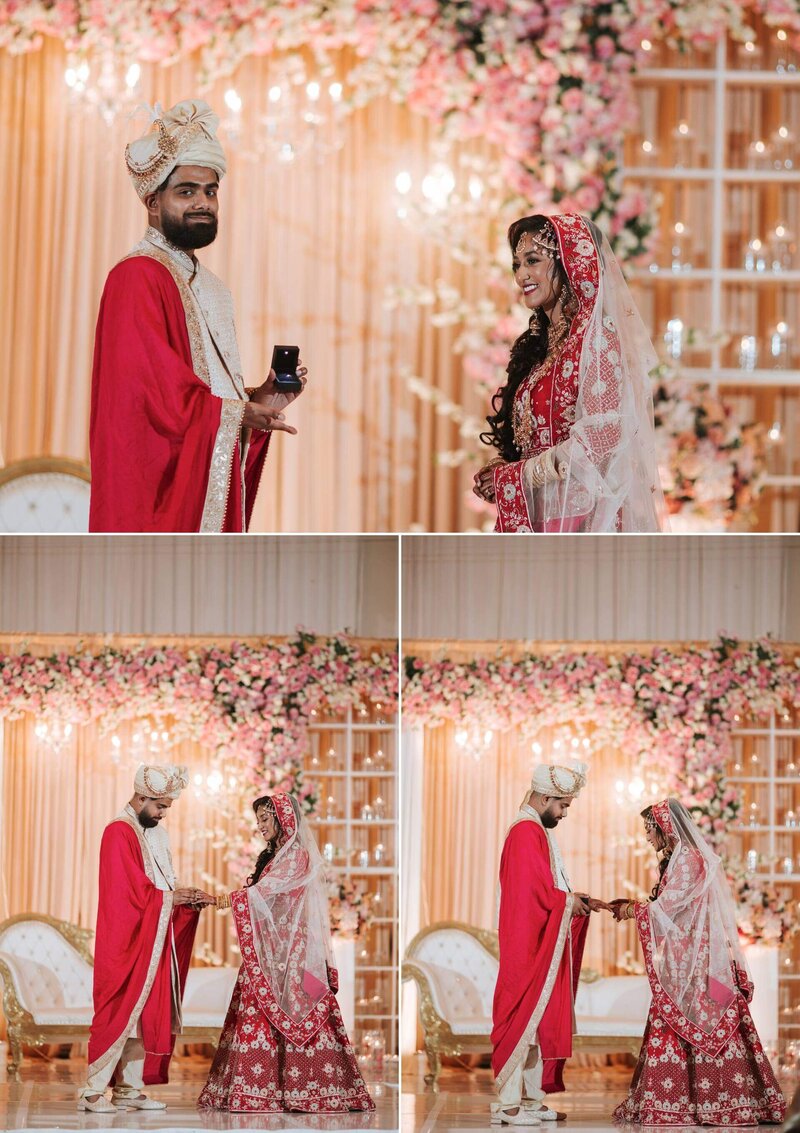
(183, 259)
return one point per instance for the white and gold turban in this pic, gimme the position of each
(559, 780)
(184, 135)
(161, 781)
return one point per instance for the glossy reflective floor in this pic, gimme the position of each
(462, 1104)
(45, 1098)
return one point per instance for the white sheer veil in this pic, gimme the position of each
(696, 948)
(612, 481)
(289, 915)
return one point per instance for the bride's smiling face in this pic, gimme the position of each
(535, 275)
(268, 826)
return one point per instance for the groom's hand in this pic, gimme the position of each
(270, 394)
(580, 907)
(258, 416)
(595, 905)
(195, 898)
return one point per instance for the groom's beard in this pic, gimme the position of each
(146, 822)
(184, 234)
(548, 821)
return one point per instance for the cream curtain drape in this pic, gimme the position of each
(56, 806)
(177, 585)
(308, 251)
(567, 588)
(469, 806)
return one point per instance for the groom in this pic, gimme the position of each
(542, 932)
(145, 932)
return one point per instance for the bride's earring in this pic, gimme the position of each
(535, 321)
(270, 846)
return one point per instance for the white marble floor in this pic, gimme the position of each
(44, 1097)
(462, 1104)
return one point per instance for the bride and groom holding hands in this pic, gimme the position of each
(701, 1060)
(283, 1046)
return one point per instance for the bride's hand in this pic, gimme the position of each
(483, 481)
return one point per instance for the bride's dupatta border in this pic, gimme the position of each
(709, 1043)
(520, 1052)
(299, 1033)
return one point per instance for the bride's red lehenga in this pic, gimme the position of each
(283, 1049)
(710, 1068)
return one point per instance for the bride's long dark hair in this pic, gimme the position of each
(268, 853)
(527, 352)
(648, 816)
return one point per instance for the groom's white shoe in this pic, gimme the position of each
(136, 1101)
(101, 1104)
(523, 1116)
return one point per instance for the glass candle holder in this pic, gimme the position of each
(674, 339)
(748, 352)
(755, 255)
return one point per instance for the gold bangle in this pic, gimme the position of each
(224, 902)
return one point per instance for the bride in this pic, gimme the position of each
(284, 1046)
(701, 1061)
(573, 425)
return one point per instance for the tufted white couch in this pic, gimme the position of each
(46, 972)
(455, 968)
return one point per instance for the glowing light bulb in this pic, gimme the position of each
(133, 74)
(232, 100)
(402, 182)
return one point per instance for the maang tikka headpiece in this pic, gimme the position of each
(544, 242)
(650, 824)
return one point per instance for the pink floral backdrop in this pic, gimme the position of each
(671, 709)
(251, 703)
(550, 84)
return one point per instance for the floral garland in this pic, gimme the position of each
(350, 908)
(250, 703)
(712, 467)
(669, 710)
(550, 84)
(763, 915)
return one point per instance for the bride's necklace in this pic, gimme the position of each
(524, 421)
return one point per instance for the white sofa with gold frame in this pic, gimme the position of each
(46, 973)
(45, 494)
(454, 966)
